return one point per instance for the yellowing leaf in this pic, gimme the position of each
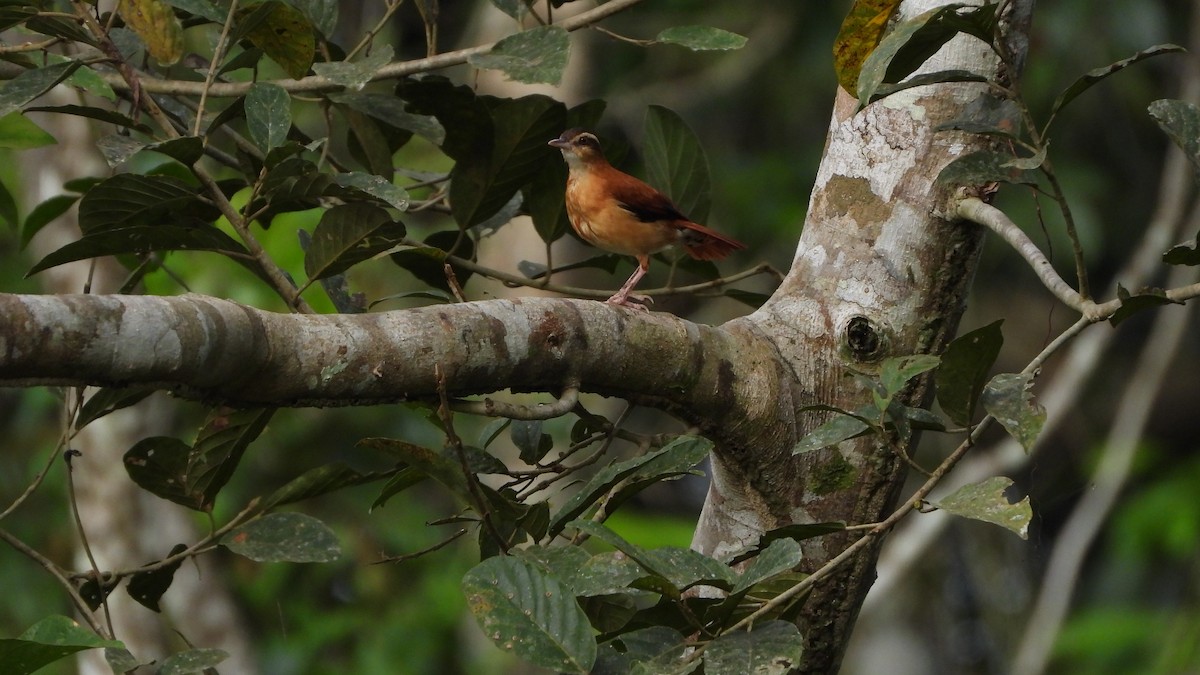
(154, 21)
(283, 33)
(860, 32)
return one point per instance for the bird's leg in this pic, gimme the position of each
(623, 297)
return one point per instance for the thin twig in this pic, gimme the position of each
(215, 64)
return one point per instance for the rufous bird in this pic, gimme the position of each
(614, 211)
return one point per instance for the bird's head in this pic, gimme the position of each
(578, 147)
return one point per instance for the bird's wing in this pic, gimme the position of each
(642, 201)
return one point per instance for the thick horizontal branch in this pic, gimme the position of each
(317, 83)
(221, 351)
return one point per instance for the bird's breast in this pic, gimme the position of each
(601, 221)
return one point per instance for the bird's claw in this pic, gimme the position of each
(632, 300)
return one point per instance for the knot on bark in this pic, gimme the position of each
(864, 339)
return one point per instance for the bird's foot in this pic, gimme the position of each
(632, 300)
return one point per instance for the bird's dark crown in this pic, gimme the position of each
(578, 141)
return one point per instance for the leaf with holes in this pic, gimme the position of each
(987, 502)
(532, 614)
(1007, 398)
(282, 32)
(159, 465)
(284, 537)
(535, 56)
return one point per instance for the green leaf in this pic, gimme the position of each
(860, 33)
(896, 372)
(988, 114)
(32, 83)
(486, 178)
(912, 42)
(986, 501)
(268, 115)
(147, 588)
(796, 531)
(131, 199)
(772, 647)
(673, 569)
(284, 537)
(465, 118)
(159, 465)
(530, 441)
(964, 371)
(924, 79)
(1084, 82)
(535, 56)
(1180, 120)
(43, 214)
(780, 556)
(673, 459)
(192, 662)
(155, 23)
(47, 641)
(15, 14)
(110, 399)
(524, 611)
(517, 9)
(701, 38)
(282, 32)
(120, 660)
(347, 235)
(186, 150)
(143, 239)
(320, 481)
(843, 426)
(8, 207)
(676, 164)
(1007, 398)
(322, 13)
(200, 8)
(1178, 255)
(220, 445)
(425, 462)
(979, 168)
(1144, 299)
(375, 186)
(18, 133)
(354, 76)
(427, 263)
(390, 110)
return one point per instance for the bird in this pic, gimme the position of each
(616, 212)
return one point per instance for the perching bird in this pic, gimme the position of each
(617, 212)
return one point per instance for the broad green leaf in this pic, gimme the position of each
(680, 459)
(200, 8)
(524, 611)
(678, 568)
(8, 207)
(47, 641)
(986, 501)
(354, 76)
(778, 557)
(32, 83)
(701, 38)
(530, 441)
(1132, 303)
(797, 531)
(219, 447)
(69, 29)
(284, 537)
(964, 371)
(120, 660)
(186, 150)
(143, 239)
(860, 32)
(159, 465)
(18, 133)
(282, 32)
(128, 199)
(347, 235)
(912, 42)
(842, 426)
(91, 82)
(118, 148)
(464, 117)
(486, 179)
(427, 263)
(156, 24)
(43, 214)
(535, 56)
(985, 166)
(15, 14)
(322, 13)
(771, 648)
(1181, 122)
(147, 588)
(425, 462)
(1178, 255)
(390, 110)
(1084, 82)
(320, 481)
(192, 662)
(677, 457)
(109, 399)
(1008, 399)
(896, 372)
(268, 115)
(375, 186)
(676, 164)
(657, 650)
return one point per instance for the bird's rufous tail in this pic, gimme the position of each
(704, 244)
